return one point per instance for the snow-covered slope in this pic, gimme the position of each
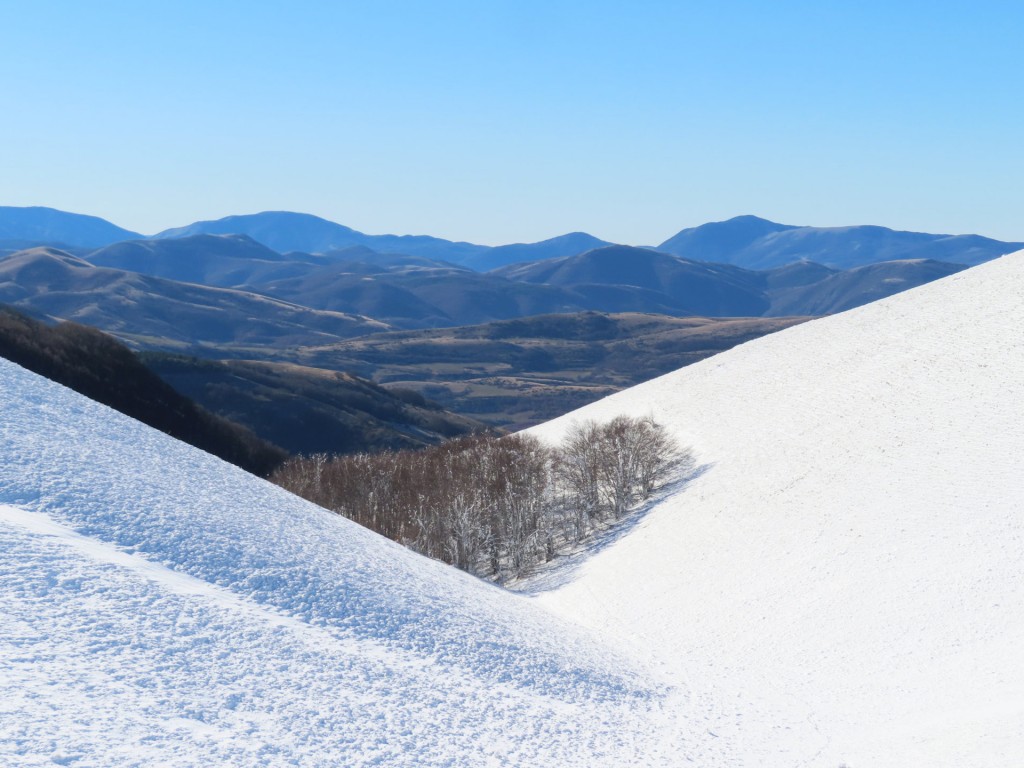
(851, 553)
(160, 607)
(843, 582)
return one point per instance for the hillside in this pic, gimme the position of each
(848, 556)
(553, 248)
(309, 410)
(161, 313)
(851, 288)
(683, 287)
(103, 370)
(287, 231)
(164, 608)
(415, 292)
(222, 261)
(838, 584)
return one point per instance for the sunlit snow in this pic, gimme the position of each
(853, 550)
(841, 583)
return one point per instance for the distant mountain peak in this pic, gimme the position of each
(755, 243)
(49, 225)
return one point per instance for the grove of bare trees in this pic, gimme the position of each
(495, 507)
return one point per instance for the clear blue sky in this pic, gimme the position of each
(515, 121)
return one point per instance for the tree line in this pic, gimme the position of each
(495, 507)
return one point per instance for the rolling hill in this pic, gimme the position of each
(843, 290)
(553, 248)
(221, 261)
(415, 292)
(847, 556)
(687, 287)
(287, 231)
(159, 313)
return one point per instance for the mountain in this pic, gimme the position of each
(35, 225)
(564, 245)
(338, 280)
(286, 231)
(161, 607)
(309, 410)
(854, 287)
(163, 313)
(720, 240)
(796, 274)
(301, 410)
(223, 261)
(684, 286)
(754, 243)
(843, 565)
(413, 295)
(417, 292)
(97, 366)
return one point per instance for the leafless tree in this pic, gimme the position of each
(494, 506)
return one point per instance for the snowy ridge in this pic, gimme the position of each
(161, 607)
(854, 548)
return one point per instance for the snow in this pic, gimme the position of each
(851, 553)
(160, 607)
(840, 582)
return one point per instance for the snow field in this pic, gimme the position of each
(852, 545)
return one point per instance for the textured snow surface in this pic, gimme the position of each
(160, 607)
(852, 551)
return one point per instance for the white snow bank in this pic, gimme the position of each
(854, 546)
(160, 607)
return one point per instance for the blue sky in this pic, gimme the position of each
(516, 121)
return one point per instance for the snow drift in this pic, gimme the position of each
(851, 553)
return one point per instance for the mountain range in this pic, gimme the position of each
(745, 241)
(228, 291)
(294, 290)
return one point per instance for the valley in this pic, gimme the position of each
(510, 347)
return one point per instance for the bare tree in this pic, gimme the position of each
(494, 506)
